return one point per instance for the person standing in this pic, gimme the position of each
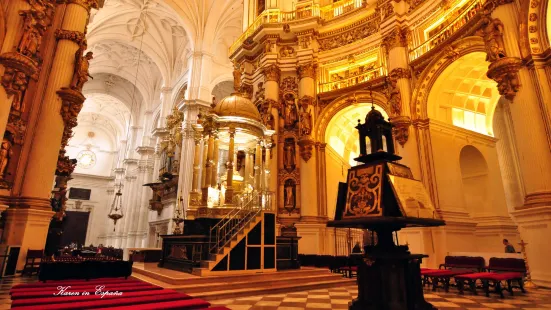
(508, 247)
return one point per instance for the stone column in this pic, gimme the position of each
(258, 167)
(271, 92)
(204, 186)
(527, 112)
(166, 105)
(308, 158)
(28, 226)
(215, 155)
(229, 178)
(208, 163)
(399, 96)
(146, 167)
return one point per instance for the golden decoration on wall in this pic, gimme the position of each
(505, 72)
(82, 65)
(367, 28)
(271, 73)
(364, 192)
(286, 52)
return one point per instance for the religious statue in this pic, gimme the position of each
(19, 85)
(493, 39)
(5, 154)
(260, 92)
(305, 123)
(82, 64)
(268, 120)
(291, 115)
(394, 98)
(33, 31)
(286, 51)
(289, 195)
(289, 155)
(236, 77)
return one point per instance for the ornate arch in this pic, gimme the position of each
(342, 102)
(441, 61)
(538, 38)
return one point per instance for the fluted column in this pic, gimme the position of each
(229, 178)
(308, 157)
(196, 164)
(146, 169)
(215, 155)
(204, 185)
(530, 127)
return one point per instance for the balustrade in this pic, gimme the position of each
(352, 80)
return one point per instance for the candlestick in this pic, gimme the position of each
(528, 283)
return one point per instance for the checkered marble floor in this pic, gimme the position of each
(338, 298)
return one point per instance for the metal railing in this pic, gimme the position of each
(339, 8)
(346, 238)
(248, 206)
(352, 80)
(455, 24)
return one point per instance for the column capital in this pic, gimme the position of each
(76, 36)
(400, 73)
(505, 72)
(272, 73)
(395, 38)
(306, 71)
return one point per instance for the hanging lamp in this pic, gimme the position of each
(116, 207)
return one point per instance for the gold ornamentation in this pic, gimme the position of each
(307, 70)
(19, 69)
(236, 76)
(272, 73)
(400, 73)
(286, 52)
(306, 147)
(505, 72)
(260, 92)
(6, 153)
(82, 65)
(364, 192)
(304, 41)
(493, 40)
(400, 128)
(35, 23)
(394, 96)
(396, 38)
(246, 90)
(75, 36)
(341, 38)
(65, 165)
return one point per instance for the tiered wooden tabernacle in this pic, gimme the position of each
(382, 196)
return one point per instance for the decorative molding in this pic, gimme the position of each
(505, 72)
(272, 73)
(306, 148)
(396, 38)
(86, 4)
(367, 28)
(75, 36)
(400, 128)
(306, 70)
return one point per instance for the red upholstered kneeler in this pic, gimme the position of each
(189, 304)
(69, 299)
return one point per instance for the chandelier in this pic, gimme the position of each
(116, 207)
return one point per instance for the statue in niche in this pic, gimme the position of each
(19, 86)
(493, 39)
(305, 122)
(5, 155)
(291, 115)
(35, 22)
(289, 158)
(289, 195)
(82, 64)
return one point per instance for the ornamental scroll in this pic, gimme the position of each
(364, 192)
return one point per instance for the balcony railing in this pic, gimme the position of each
(276, 16)
(352, 80)
(455, 24)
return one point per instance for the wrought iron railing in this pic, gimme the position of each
(248, 206)
(352, 80)
(465, 14)
(346, 239)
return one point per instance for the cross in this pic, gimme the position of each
(522, 245)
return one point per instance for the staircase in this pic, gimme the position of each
(233, 228)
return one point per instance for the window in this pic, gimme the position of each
(469, 120)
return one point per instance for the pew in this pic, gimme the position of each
(452, 266)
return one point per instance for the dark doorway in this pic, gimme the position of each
(76, 225)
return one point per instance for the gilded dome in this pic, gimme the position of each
(237, 105)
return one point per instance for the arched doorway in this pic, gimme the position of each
(342, 147)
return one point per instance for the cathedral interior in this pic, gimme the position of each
(186, 133)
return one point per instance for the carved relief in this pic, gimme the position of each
(306, 148)
(35, 23)
(347, 37)
(259, 95)
(286, 51)
(396, 38)
(304, 41)
(289, 196)
(6, 153)
(505, 72)
(400, 128)
(15, 82)
(290, 112)
(75, 36)
(246, 90)
(493, 40)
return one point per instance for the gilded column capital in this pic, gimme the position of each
(75, 36)
(272, 73)
(396, 38)
(306, 70)
(86, 4)
(505, 72)
(400, 73)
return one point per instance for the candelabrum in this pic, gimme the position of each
(528, 283)
(177, 219)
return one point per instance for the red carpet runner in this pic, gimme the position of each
(101, 294)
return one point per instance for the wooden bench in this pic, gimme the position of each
(499, 270)
(453, 266)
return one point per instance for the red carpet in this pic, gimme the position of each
(125, 294)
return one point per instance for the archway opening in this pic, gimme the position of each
(464, 96)
(474, 175)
